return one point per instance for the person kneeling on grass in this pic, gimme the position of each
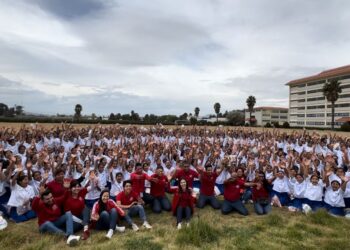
(132, 203)
(104, 214)
(50, 217)
(232, 196)
(183, 203)
(260, 195)
(159, 183)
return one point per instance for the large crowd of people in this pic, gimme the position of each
(93, 177)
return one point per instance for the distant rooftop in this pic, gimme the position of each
(323, 75)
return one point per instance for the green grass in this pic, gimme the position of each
(209, 229)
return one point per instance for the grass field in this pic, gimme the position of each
(209, 230)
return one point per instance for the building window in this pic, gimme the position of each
(314, 115)
(316, 107)
(314, 91)
(315, 99)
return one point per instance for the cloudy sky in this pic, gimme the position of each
(164, 56)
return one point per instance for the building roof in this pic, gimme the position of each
(269, 108)
(323, 75)
(343, 119)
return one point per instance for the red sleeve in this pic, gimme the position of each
(119, 197)
(147, 177)
(83, 192)
(195, 174)
(35, 203)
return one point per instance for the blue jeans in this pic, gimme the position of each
(347, 202)
(3, 201)
(147, 198)
(315, 205)
(182, 212)
(161, 203)
(134, 210)
(63, 225)
(220, 187)
(283, 197)
(90, 203)
(298, 203)
(339, 211)
(21, 218)
(229, 206)
(204, 199)
(107, 220)
(85, 217)
(247, 195)
(261, 209)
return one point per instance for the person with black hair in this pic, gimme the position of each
(260, 195)
(132, 203)
(105, 213)
(159, 184)
(50, 217)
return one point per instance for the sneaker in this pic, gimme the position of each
(86, 235)
(147, 225)
(109, 234)
(73, 240)
(134, 227)
(179, 226)
(120, 229)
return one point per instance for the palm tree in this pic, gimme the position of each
(196, 111)
(78, 108)
(251, 103)
(217, 107)
(331, 91)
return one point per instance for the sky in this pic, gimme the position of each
(164, 56)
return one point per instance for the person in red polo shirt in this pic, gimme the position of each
(159, 184)
(138, 183)
(50, 217)
(260, 195)
(232, 196)
(185, 173)
(207, 194)
(132, 203)
(56, 185)
(183, 203)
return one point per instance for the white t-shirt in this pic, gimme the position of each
(314, 192)
(334, 198)
(299, 189)
(281, 185)
(20, 195)
(116, 188)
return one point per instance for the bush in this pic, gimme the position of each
(345, 127)
(268, 125)
(198, 234)
(276, 124)
(285, 125)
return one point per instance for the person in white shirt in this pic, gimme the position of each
(314, 192)
(20, 199)
(280, 188)
(334, 195)
(117, 184)
(298, 191)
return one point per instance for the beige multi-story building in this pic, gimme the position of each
(307, 105)
(263, 115)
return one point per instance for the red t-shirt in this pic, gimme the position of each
(187, 175)
(56, 188)
(138, 182)
(126, 200)
(75, 205)
(158, 188)
(45, 212)
(232, 190)
(185, 199)
(259, 193)
(208, 183)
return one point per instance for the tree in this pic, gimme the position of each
(93, 116)
(331, 91)
(111, 117)
(78, 108)
(3, 109)
(19, 110)
(251, 103)
(196, 111)
(217, 108)
(183, 116)
(235, 118)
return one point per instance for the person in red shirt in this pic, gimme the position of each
(138, 183)
(207, 194)
(183, 203)
(74, 202)
(232, 196)
(132, 203)
(186, 173)
(159, 183)
(105, 213)
(50, 217)
(260, 195)
(56, 185)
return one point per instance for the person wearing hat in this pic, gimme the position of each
(334, 195)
